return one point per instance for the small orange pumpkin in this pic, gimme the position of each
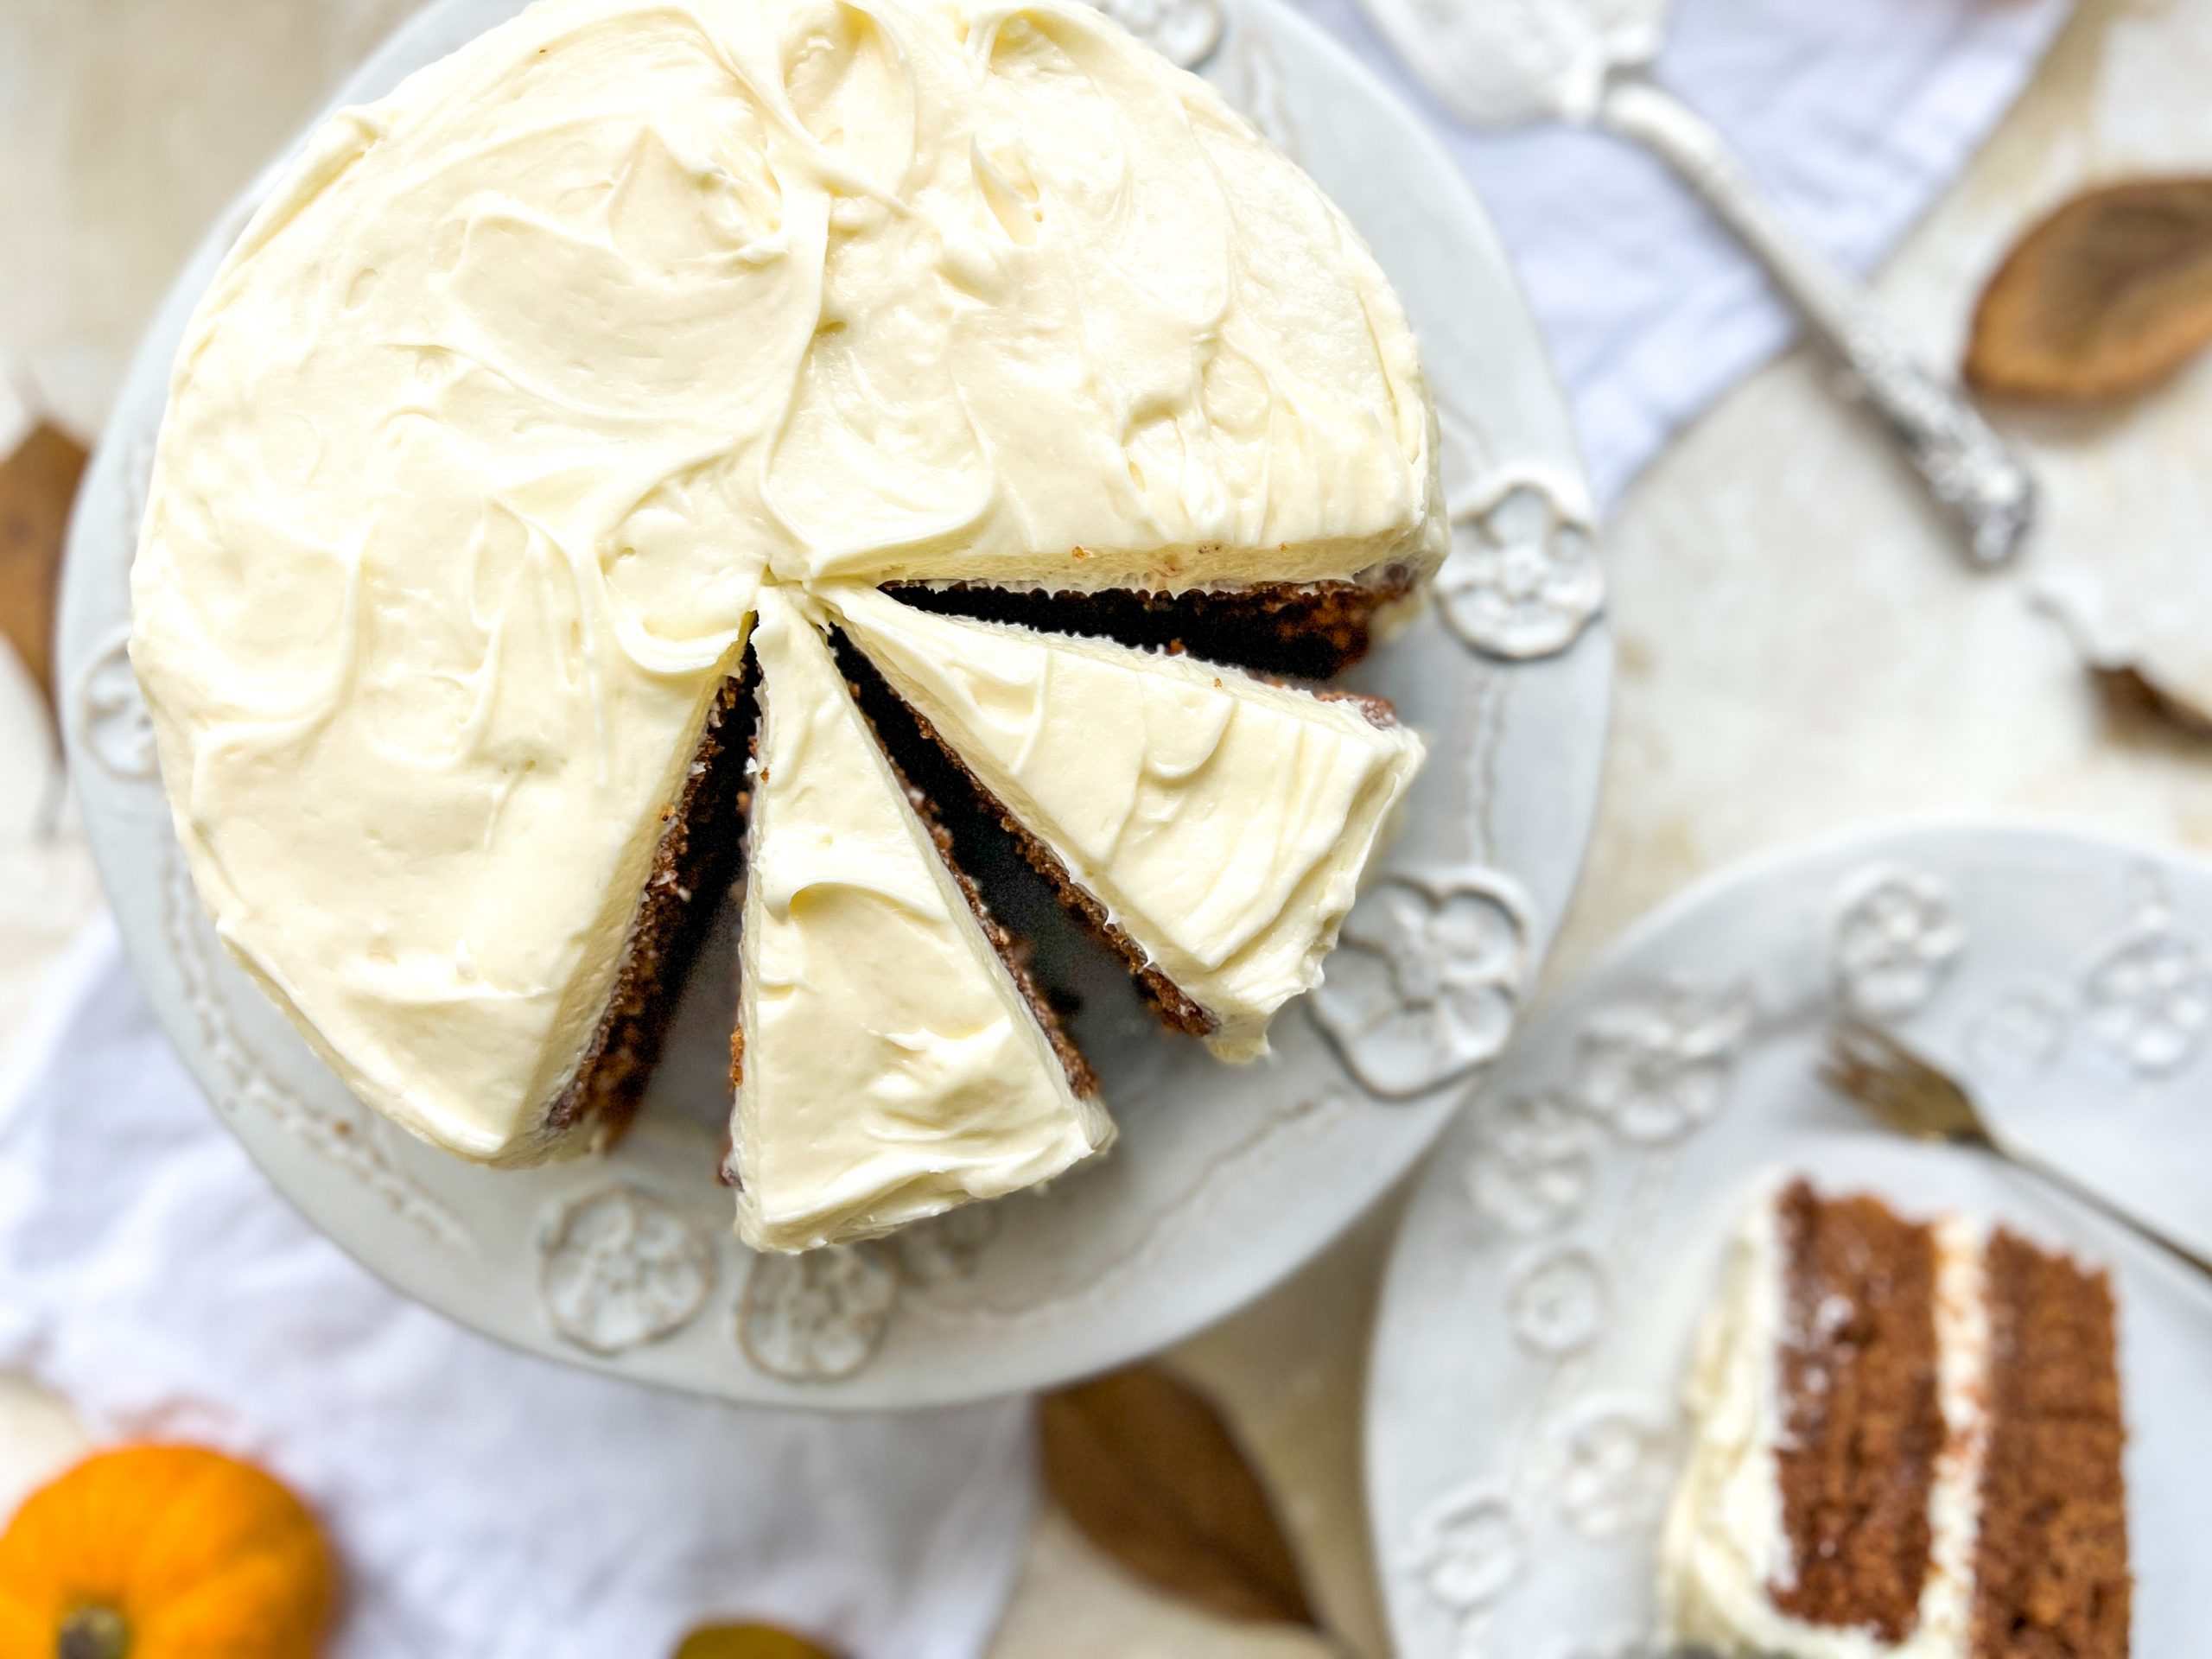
(162, 1552)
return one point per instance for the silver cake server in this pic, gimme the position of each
(1505, 62)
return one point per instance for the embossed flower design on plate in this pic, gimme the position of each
(1535, 1164)
(2149, 998)
(1470, 1547)
(1556, 1302)
(1896, 933)
(1657, 1067)
(1425, 980)
(1619, 1462)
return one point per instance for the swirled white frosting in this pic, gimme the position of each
(1221, 823)
(1724, 1543)
(526, 379)
(892, 1068)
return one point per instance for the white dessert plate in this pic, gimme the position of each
(1224, 1180)
(1523, 1422)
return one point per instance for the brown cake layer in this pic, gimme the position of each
(1081, 1079)
(691, 870)
(1311, 631)
(2050, 1566)
(1862, 1422)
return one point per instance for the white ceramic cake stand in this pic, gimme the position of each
(1522, 1427)
(1225, 1179)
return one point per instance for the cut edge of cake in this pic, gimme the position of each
(1230, 990)
(1862, 1473)
(1308, 630)
(692, 868)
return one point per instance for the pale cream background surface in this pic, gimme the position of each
(1799, 651)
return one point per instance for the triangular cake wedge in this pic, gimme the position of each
(1217, 824)
(892, 1065)
(1907, 1439)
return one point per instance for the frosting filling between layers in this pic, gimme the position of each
(526, 378)
(1220, 822)
(892, 1066)
(1728, 1559)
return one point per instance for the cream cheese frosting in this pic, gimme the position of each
(1221, 822)
(892, 1068)
(524, 380)
(1724, 1541)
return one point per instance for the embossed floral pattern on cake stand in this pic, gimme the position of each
(1185, 32)
(112, 721)
(1426, 981)
(1522, 579)
(823, 1315)
(622, 1269)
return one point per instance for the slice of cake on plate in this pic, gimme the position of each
(892, 1059)
(1211, 824)
(1907, 1441)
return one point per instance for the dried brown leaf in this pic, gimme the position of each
(747, 1642)
(2110, 294)
(1149, 1471)
(38, 484)
(2131, 692)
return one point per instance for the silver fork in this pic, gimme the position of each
(1916, 1096)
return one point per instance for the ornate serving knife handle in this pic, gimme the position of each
(1972, 473)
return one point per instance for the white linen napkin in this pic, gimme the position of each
(1855, 114)
(485, 1503)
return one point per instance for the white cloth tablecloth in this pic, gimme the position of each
(486, 1505)
(489, 1505)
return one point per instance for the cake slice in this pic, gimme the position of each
(1907, 1441)
(1213, 825)
(892, 1063)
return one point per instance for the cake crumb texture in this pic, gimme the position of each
(1308, 630)
(691, 868)
(1862, 1421)
(2051, 1568)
